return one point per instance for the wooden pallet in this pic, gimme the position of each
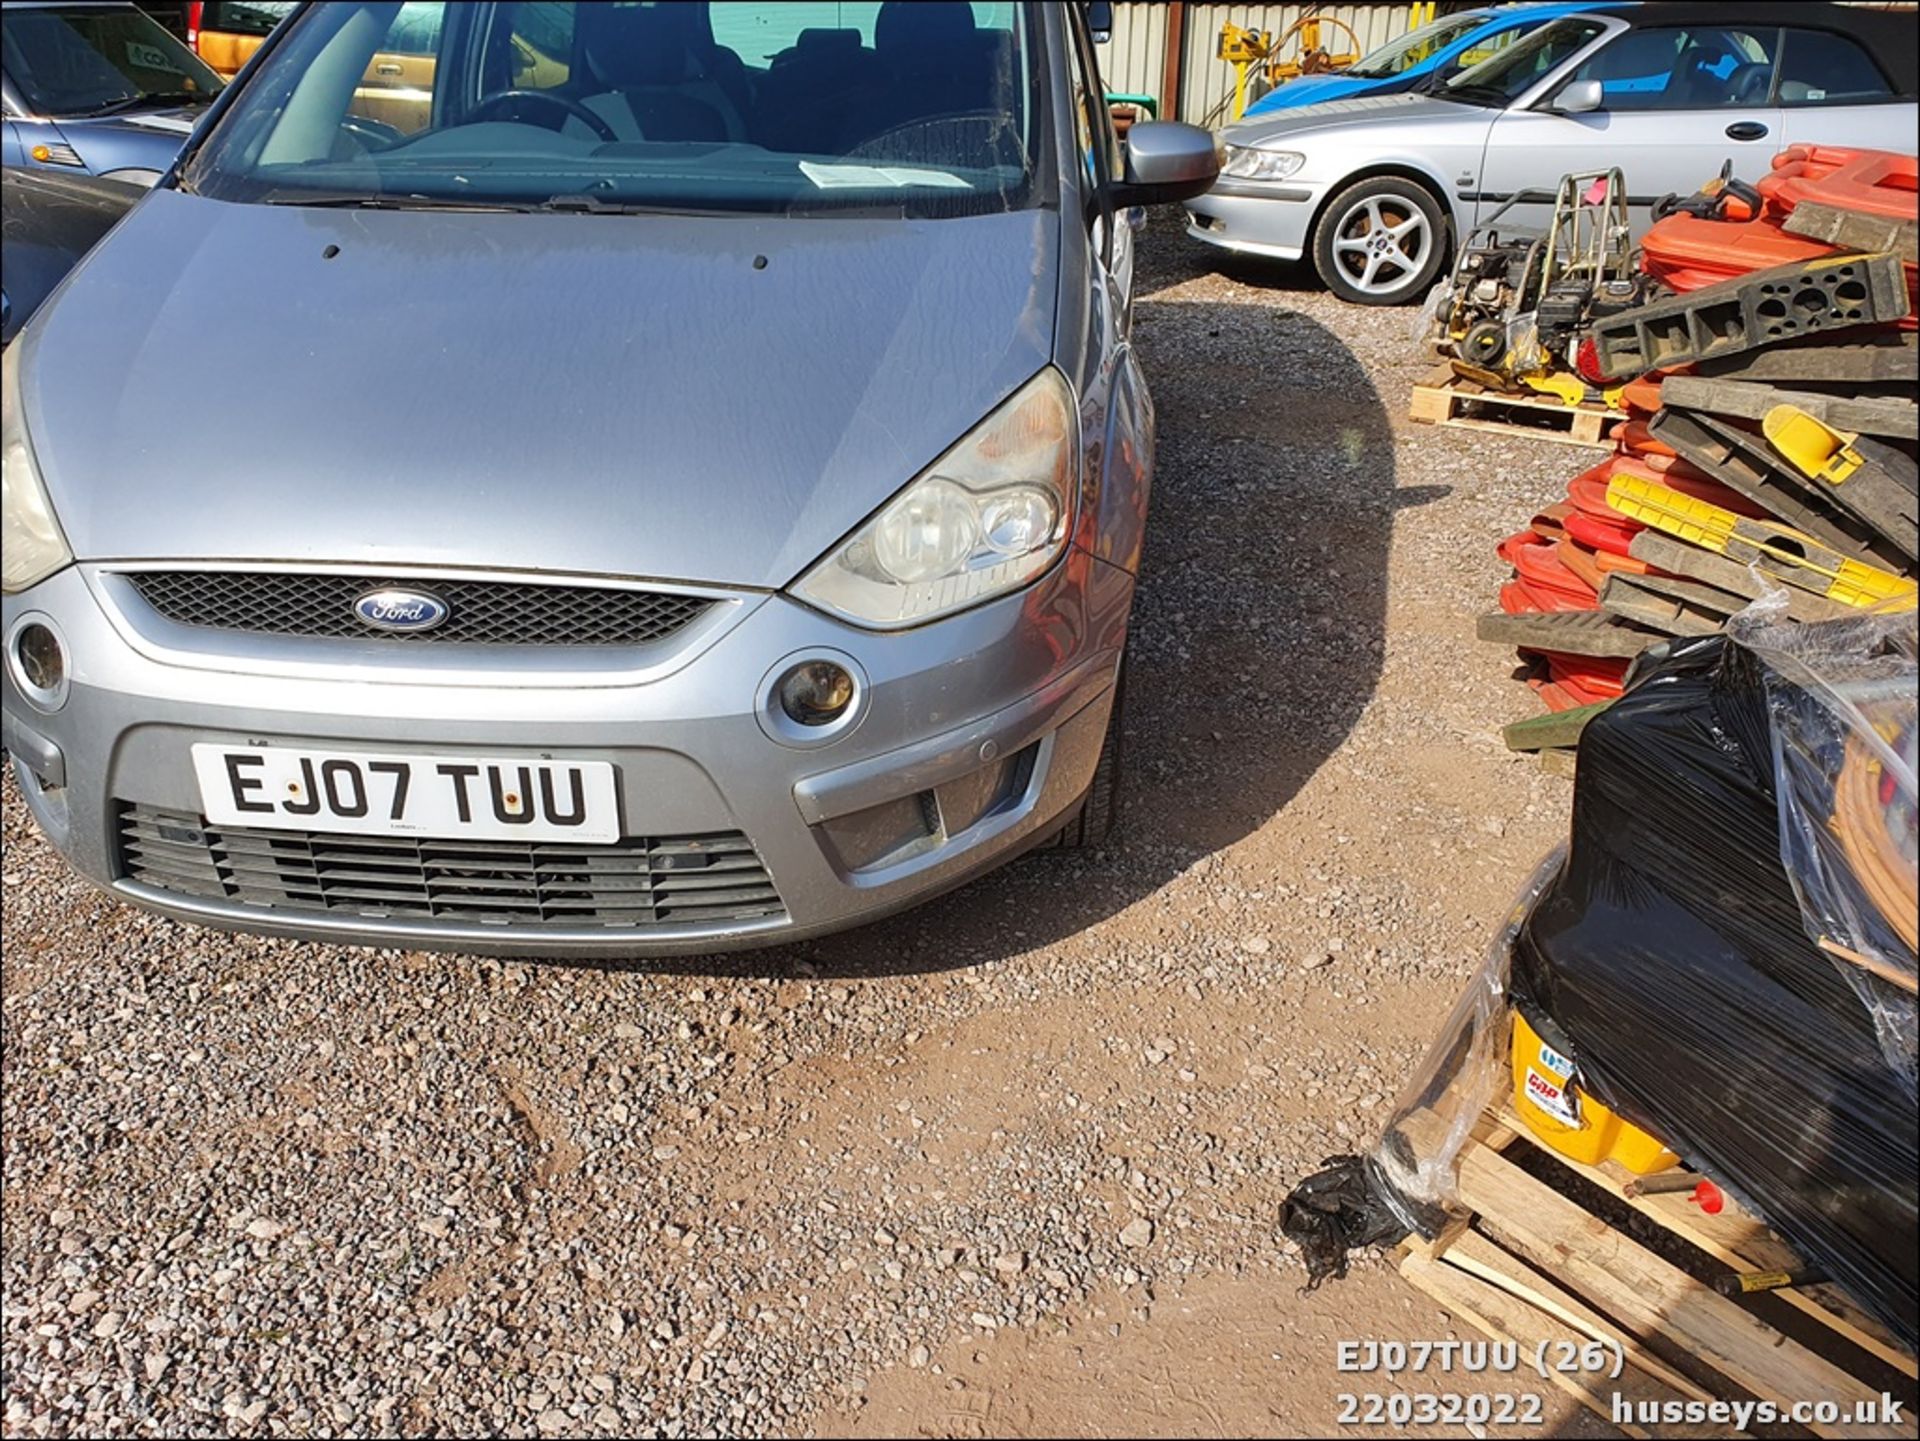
(1444, 398)
(1535, 1265)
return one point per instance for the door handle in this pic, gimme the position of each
(387, 67)
(1746, 130)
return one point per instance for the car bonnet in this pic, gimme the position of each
(692, 398)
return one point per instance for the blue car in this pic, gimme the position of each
(96, 89)
(1434, 52)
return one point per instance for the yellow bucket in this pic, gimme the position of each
(1549, 1100)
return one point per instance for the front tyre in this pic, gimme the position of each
(1380, 241)
(1094, 821)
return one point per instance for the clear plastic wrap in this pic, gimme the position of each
(1841, 701)
(1466, 1070)
(1671, 951)
(1666, 958)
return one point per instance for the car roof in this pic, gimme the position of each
(1887, 35)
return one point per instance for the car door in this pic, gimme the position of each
(1678, 102)
(1832, 93)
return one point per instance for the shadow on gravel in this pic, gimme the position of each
(1257, 633)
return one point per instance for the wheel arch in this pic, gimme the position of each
(1392, 170)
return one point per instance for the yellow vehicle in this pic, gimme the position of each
(397, 89)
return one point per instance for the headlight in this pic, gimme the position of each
(32, 547)
(1246, 163)
(984, 519)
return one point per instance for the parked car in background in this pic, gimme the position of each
(1373, 189)
(96, 89)
(225, 33)
(47, 222)
(1432, 53)
(745, 550)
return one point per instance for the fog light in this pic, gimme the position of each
(40, 665)
(816, 693)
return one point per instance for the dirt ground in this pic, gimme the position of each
(889, 1183)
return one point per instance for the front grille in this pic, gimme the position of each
(480, 612)
(634, 883)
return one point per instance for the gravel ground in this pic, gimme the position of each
(1010, 1163)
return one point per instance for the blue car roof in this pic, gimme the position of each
(1499, 18)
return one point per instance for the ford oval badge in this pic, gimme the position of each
(401, 610)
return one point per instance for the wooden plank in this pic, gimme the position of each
(1556, 728)
(1743, 1242)
(1479, 1256)
(1751, 400)
(1454, 402)
(1675, 556)
(1559, 761)
(1647, 1295)
(1571, 632)
(1855, 230)
(1504, 1317)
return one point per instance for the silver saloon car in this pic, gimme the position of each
(682, 490)
(1374, 190)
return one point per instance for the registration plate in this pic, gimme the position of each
(455, 797)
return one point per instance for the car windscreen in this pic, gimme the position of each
(73, 61)
(1522, 65)
(1398, 56)
(921, 108)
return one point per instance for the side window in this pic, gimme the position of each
(1685, 68)
(1818, 68)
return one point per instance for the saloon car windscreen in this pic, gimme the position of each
(1515, 70)
(73, 61)
(920, 110)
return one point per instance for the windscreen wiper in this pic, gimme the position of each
(127, 102)
(1472, 95)
(579, 204)
(321, 200)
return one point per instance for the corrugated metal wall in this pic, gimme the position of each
(1135, 60)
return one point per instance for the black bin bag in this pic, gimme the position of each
(1673, 949)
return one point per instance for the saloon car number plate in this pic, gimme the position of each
(455, 797)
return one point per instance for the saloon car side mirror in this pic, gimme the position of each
(1579, 97)
(1166, 161)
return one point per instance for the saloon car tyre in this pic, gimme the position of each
(1381, 241)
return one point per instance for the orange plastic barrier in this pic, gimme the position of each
(1873, 182)
(1685, 252)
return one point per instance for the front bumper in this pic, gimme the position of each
(1273, 219)
(976, 735)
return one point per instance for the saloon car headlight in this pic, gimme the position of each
(31, 547)
(984, 519)
(1245, 162)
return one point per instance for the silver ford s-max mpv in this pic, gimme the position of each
(619, 478)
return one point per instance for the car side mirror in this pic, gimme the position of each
(1166, 162)
(1579, 97)
(1100, 21)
